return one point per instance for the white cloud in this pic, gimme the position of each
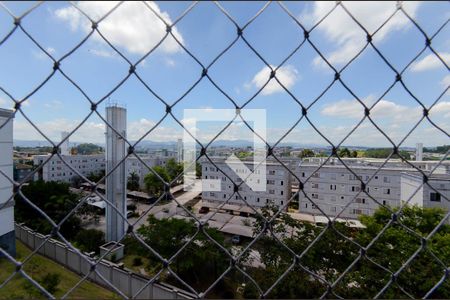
(442, 107)
(382, 110)
(103, 53)
(170, 62)
(54, 104)
(348, 37)
(41, 55)
(431, 62)
(26, 103)
(131, 26)
(91, 131)
(287, 75)
(445, 82)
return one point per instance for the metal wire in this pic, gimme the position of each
(397, 80)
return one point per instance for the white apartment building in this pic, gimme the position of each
(278, 185)
(56, 170)
(7, 236)
(334, 186)
(134, 165)
(438, 196)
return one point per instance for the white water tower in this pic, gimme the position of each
(116, 117)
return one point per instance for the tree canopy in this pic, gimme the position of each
(54, 199)
(338, 247)
(153, 184)
(384, 153)
(88, 148)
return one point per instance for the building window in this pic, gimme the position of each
(332, 187)
(384, 202)
(315, 185)
(281, 202)
(360, 200)
(387, 191)
(281, 193)
(316, 175)
(212, 195)
(342, 197)
(315, 196)
(435, 197)
(303, 174)
(386, 180)
(271, 192)
(224, 196)
(281, 182)
(257, 200)
(272, 172)
(270, 181)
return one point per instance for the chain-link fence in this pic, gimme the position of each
(291, 259)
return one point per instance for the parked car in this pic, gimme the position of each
(236, 239)
(204, 210)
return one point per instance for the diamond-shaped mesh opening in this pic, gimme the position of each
(341, 226)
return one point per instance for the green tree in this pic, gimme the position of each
(384, 153)
(396, 245)
(89, 240)
(96, 176)
(88, 149)
(306, 153)
(354, 153)
(331, 255)
(198, 170)
(50, 282)
(133, 182)
(198, 262)
(173, 169)
(54, 199)
(153, 184)
(344, 152)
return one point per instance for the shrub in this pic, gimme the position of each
(89, 240)
(50, 282)
(137, 261)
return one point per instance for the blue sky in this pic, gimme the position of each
(205, 31)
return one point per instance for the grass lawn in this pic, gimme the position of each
(38, 267)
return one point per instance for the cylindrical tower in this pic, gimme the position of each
(115, 182)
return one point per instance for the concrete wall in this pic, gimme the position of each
(123, 279)
(6, 187)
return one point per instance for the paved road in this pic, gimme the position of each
(166, 210)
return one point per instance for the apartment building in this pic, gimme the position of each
(140, 166)
(7, 236)
(56, 170)
(277, 182)
(418, 193)
(333, 186)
